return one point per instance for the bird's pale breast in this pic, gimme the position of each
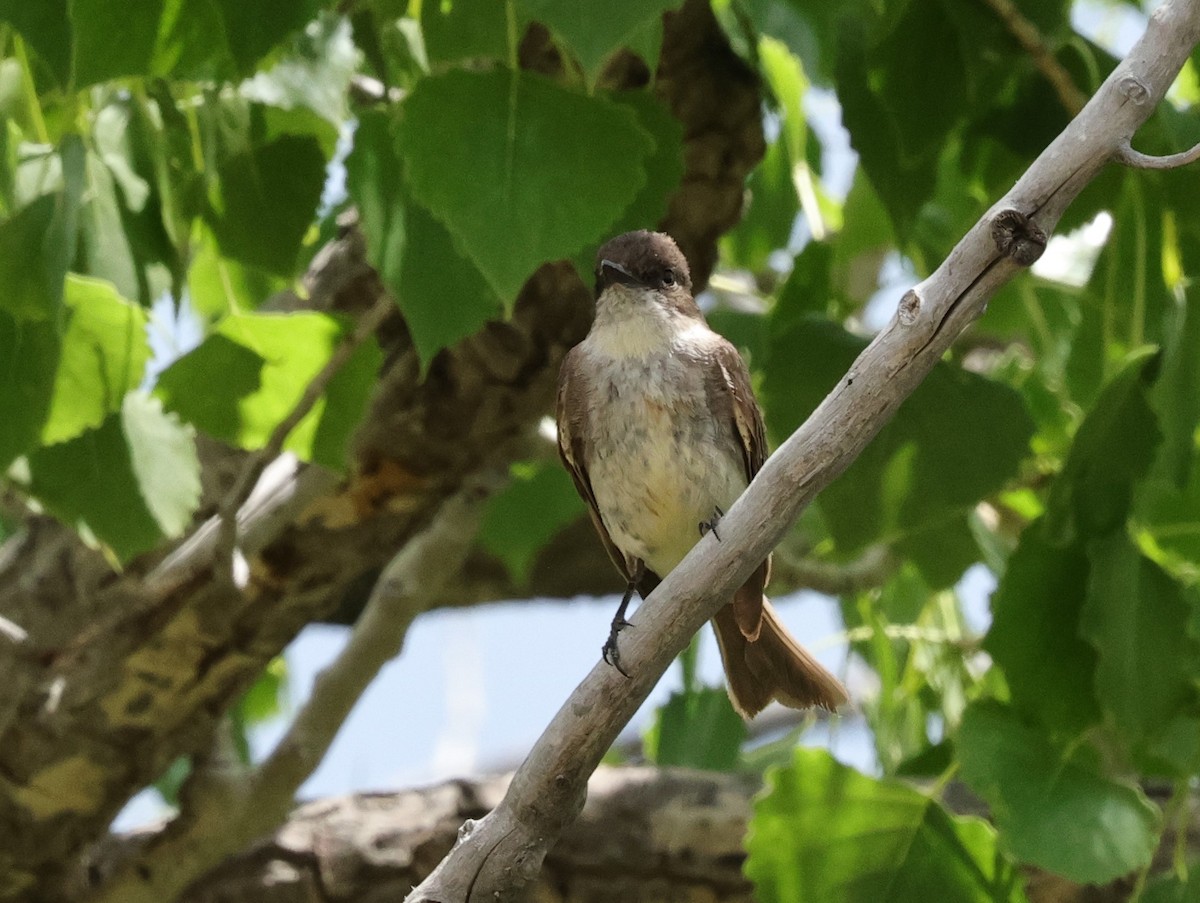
(660, 462)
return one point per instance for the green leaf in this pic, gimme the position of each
(823, 831)
(46, 27)
(593, 30)
(1045, 806)
(465, 30)
(1137, 618)
(767, 221)
(959, 438)
(1173, 889)
(374, 178)
(1171, 518)
(162, 453)
(253, 29)
(697, 729)
(941, 551)
(1035, 634)
(442, 294)
(31, 269)
(664, 166)
(107, 46)
(1176, 394)
(264, 699)
(29, 355)
(128, 483)
(265, 201)
(38, 241)
(171, 781)
(104, 242)
(218, 285)
(104, 356)
(217, 40)
(542, 501)
(251, 372)
(1113, 448)
(484, 150)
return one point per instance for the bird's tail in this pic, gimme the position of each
(774, 666)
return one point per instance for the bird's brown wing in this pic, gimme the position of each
(571, 409)
(731, 399)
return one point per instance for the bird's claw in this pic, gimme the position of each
(710, 525)
(611, 651)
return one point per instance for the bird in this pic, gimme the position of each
(660, 431)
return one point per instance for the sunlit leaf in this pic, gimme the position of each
(823, 831)
(250, 374)
(130, 483)
(104, 355)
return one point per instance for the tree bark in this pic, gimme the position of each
(646, 835)
(122, 672)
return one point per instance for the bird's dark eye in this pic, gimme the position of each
(668, 277)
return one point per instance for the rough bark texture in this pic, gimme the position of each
(121, 674)
(645, 836)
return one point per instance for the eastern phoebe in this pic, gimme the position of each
(660, 431)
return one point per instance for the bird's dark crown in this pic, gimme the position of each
(647, 259)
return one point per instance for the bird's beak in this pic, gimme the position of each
(611, 272)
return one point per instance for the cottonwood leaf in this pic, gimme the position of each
(823, 831)
(1035, 634)
(519, 169)
(128, 484)
(104, 356)
(1137, 618)
(442, 294)
(246, 377)
(1053, 812)
(265, 200)
(594, 31)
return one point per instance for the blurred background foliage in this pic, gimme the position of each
(183, 168)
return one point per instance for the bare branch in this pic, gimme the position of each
(225, 809)
(872, 568)
(1130, 157)
(1035, 45)
(500, 854)
(226, 539)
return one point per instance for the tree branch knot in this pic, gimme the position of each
(1018, 237)
(1133, 90)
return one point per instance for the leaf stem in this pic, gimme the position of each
(30, 90)
(510, 15)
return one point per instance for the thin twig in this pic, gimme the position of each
(225, 809)
(872, 568)
(1032, 42)
(1130, 157)
(226, 540)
